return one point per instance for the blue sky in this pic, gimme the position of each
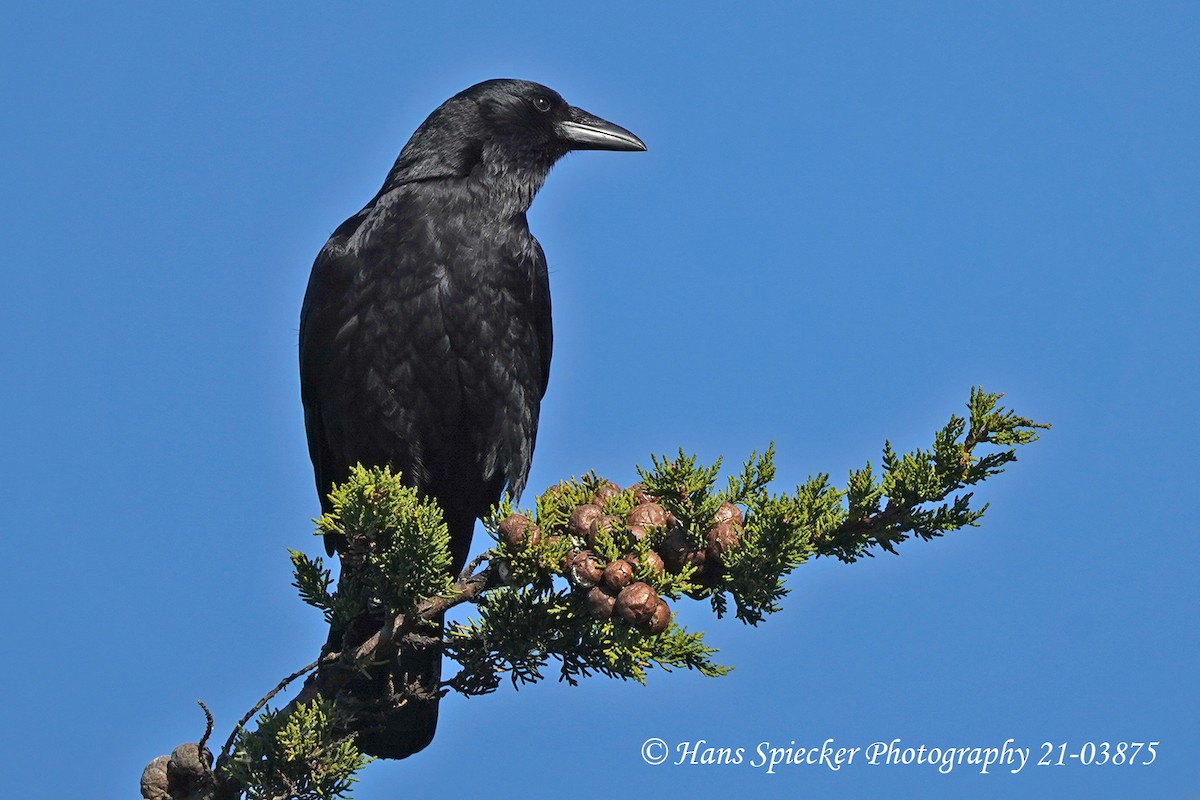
(849, 214)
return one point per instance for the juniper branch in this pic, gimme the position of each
(535, 604)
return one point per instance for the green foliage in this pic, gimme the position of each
(395, 547)
(312, 580)
(914, 495)
(296, 756)
(521, 630)
(685, 489)
(774, 542)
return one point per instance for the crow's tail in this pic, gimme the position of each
(394, 707)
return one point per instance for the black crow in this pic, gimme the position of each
(425, 332)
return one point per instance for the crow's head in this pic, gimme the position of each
(526, 116)
(505, 133)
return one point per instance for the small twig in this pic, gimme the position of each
(466, 574)
(466, 590)
(208, 729)
(266, 699)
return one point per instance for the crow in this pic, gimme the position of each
(425, 332)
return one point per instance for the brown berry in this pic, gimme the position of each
(640, 495)
(600, 602)
(636, 603)
(618, 574)
(582, 518)
(654, 560)
(584, 571)
(728, 512)
(660, 620)
(637, 532)
(517, 531)
(722, 538)
(650, 515)
(607, 523)
(604, 492)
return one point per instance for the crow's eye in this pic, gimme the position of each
(541, 103)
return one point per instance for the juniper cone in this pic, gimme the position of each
(585, 570)
(618, 574)
(660, 620)
(600, 600)
(517, 531)
(636, 603)
(641, 496)
(605, 492)
(608, 523)
(650, 515)
(425, 333)
(728, 512)
(653, 559)
(721, 538)
(637, 532)
(582, 519)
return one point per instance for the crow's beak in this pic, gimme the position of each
(582, 131)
